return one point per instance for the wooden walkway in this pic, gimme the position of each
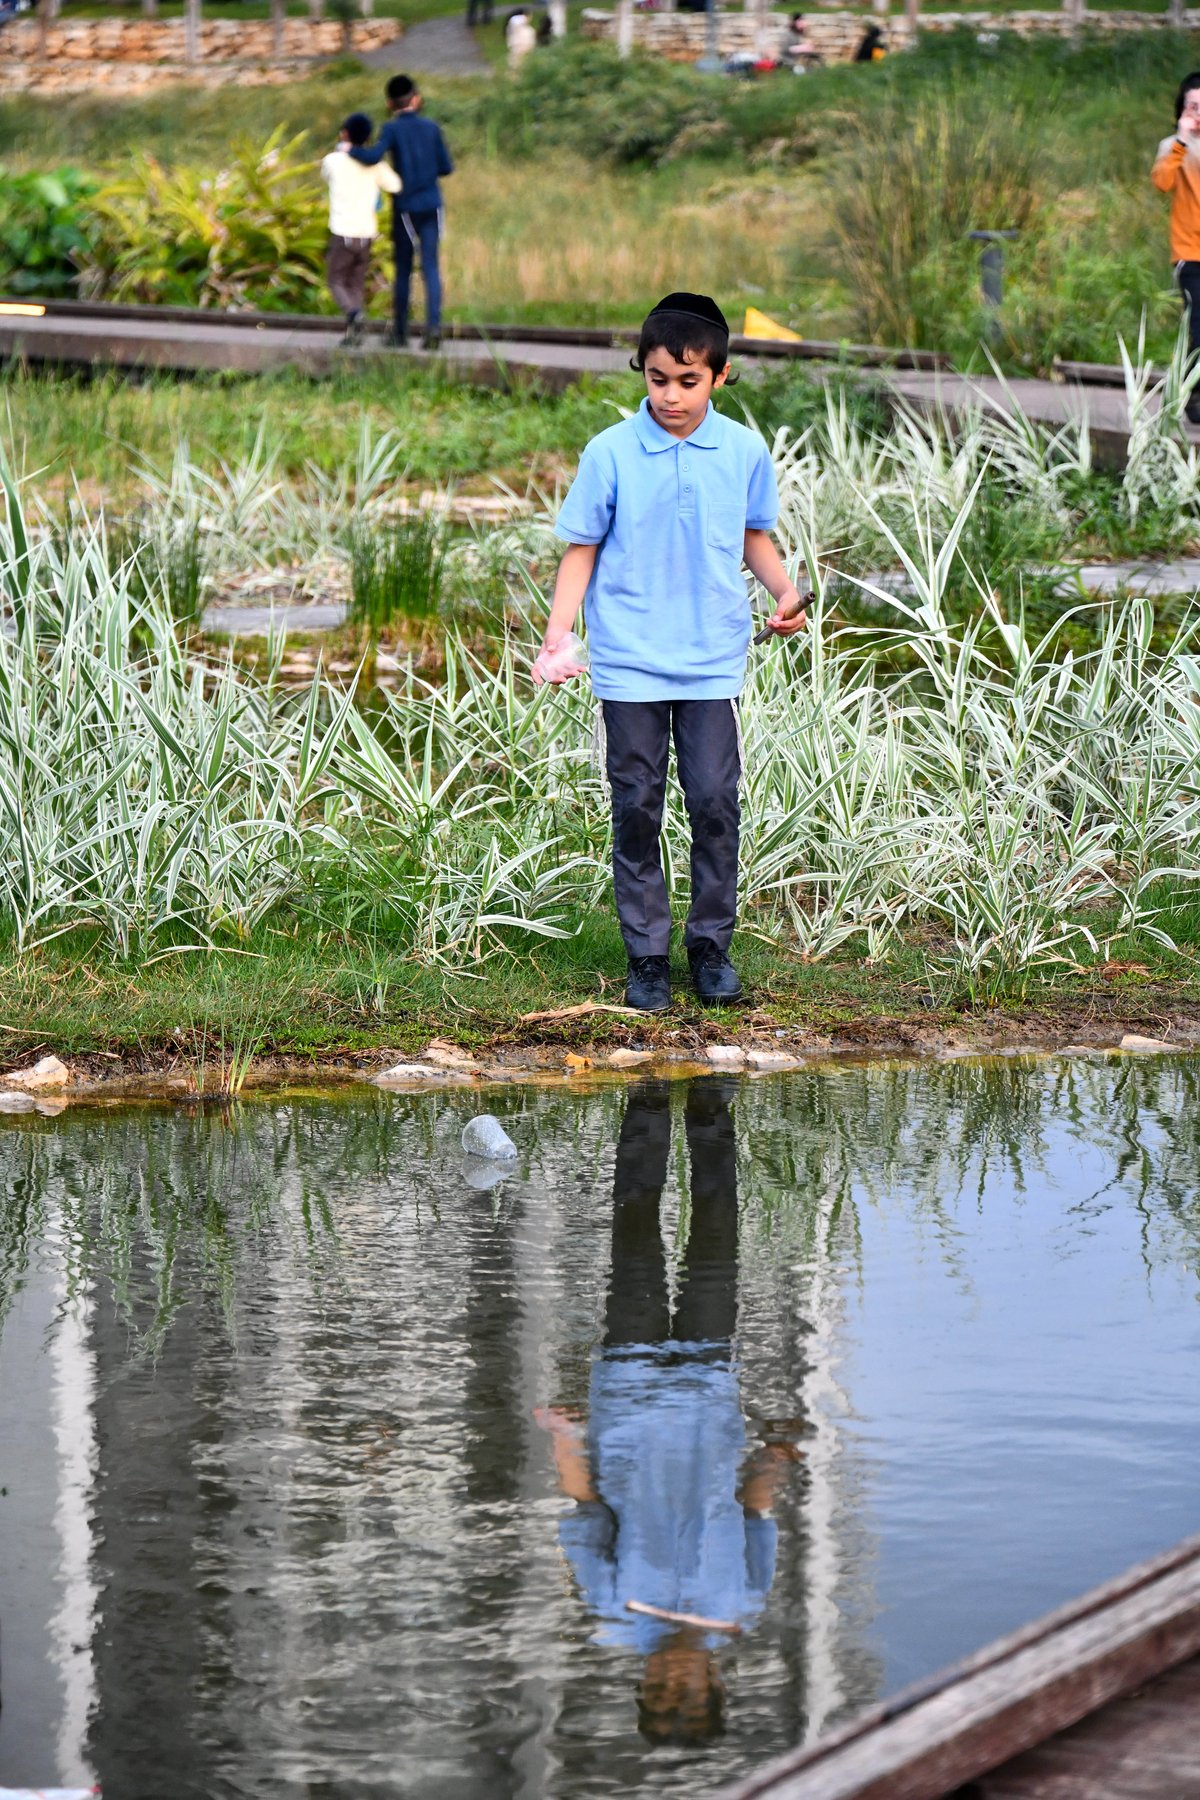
(1097, 1701)
(1049, 403)
(192, 341)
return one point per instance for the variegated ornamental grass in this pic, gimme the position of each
(919, 769)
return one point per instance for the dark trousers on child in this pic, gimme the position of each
(1187, 274)
(639, 734)
(346, 263)
(413, 232)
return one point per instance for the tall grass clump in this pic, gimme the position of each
(397, 569)
(903, 196)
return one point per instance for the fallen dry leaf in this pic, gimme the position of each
(578, 1062)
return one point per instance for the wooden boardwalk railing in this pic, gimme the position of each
(930, 1740)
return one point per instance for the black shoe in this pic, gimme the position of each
(1191, 410)
(395, 340)
(432, 340)
(713, 975)
(352, 336)
(648, 987)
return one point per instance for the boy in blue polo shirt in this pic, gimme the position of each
(665, 509)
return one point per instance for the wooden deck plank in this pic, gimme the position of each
(1008, 1698)
(1143, 1747)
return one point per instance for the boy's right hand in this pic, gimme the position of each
(545, 669)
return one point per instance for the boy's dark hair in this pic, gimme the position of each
(689, 327)
(400, 89)
(358, 128)
(1186, 86)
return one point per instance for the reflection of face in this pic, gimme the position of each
(682, 1697)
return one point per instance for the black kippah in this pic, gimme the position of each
(694, 306)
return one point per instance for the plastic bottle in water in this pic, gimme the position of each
(485, 1136)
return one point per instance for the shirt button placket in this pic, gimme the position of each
(687, 500)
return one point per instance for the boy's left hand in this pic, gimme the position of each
(789, 616)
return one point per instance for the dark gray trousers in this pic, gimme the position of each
(639, 736)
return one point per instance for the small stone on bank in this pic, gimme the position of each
(17, 1103)
(419, 1072)
(628, 1059)
(1131, 1041)
(726, 1056)
(47, 1073)
(772, 1059)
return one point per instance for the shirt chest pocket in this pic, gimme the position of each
(726, 527)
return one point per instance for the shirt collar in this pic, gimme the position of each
(707, 435)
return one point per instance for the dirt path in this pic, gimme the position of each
(434, 47)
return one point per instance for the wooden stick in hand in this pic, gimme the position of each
(760, 637)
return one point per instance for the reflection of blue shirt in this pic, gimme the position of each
(667, 1439)
(419, 155)
(668, 613)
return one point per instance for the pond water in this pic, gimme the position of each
(328, 1473)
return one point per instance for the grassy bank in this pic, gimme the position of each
(329, 998)
(843, 202)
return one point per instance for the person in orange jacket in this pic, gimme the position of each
(1176, 172)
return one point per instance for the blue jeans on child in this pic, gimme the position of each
(413, 232)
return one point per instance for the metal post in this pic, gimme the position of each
(278, 23)
(624, 27)
(150, 9)
(710, 62)
(191, 31)
(991, 277)
(1176, 14)
(912, 12)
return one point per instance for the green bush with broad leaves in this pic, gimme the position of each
(250, 234)
(42, 230)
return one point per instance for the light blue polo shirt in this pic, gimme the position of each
(667, 608)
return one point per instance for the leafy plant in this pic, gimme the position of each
(249, 234)
(42, 229)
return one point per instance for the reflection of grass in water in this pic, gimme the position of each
(165, 1208)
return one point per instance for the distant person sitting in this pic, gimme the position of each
(353, 220)
(479, 12)
(1177, 172)
(420, 158)
(872, 48)
(520, 37)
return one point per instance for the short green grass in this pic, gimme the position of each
(302, 994)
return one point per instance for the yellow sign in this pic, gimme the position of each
(758, 325)
(21, 310)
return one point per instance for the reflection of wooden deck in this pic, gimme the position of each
(1097, 1701)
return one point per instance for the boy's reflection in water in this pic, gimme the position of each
(669, 1509)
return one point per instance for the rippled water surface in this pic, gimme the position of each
(325, 1472)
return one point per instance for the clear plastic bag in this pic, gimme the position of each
(569, 657)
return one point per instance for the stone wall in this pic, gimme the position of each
(683, 37)
(130, 55)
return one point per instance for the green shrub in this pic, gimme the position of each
(41, 230)
(249, 234)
